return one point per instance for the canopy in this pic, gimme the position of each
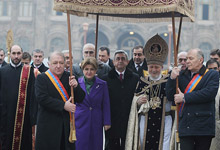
(128, 10)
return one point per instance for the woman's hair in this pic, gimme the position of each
(90, 61)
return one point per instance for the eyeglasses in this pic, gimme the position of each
(88, 52)
(182, 59)
(214, 68)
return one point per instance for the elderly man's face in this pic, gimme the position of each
(154, 70)
(193, 62)
(88, 52)
(56, 65)
(138, 56)
(182, 61)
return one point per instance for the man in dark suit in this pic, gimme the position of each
(198, 87)
(2, 58)
(38, 57)
(121, 84)
(104, 56)
(138, 63)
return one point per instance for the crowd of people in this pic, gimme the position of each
(119, 104)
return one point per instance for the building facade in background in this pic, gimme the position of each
(36, 25)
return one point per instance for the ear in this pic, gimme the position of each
(202, 60)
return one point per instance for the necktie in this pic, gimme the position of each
(138, 66)
(120, 76)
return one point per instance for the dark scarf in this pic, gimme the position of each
(88, 83)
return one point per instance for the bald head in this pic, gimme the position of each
(198, 52)
(195, 60)
(16, 54)
(182, 60)
(88, 50)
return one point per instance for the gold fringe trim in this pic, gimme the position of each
(91, 11)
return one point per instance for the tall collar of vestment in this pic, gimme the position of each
(188, 72)
(155, 79)
(14, 65)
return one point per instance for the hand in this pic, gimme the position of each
(141, 100)
(175, 72)
(178, 98)
(70, 107)
(106, 127)
(73, 82)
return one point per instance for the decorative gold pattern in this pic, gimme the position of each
(156, 50)
(108, 7)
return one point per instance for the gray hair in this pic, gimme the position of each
(199, 53)
(121, 52)
(56, 53)
(66, 51)
(37, 51)
(90, 45)
(182, 53)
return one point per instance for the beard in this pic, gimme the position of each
(16, 61)
(155, 77)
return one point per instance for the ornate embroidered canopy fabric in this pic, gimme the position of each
(128, 10)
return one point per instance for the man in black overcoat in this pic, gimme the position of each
(121, 84)
(53, 122)
(198, 87)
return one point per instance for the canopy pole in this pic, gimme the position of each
(177, 85)
(179, 33)
(96, 34)
(72, 136)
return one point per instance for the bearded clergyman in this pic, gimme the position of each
(150, 122)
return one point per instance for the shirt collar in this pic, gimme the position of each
(120, 72)
(37, 66)
(107, 62)
(138, 64)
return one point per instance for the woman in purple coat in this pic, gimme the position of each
(94, 112)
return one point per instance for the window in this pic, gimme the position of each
(5, 8)
(59, 13)
(57, 44)
(205, 9)
(24, 42)
(25, 8)
(56, 13)
(128, 41)
(206, 48)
